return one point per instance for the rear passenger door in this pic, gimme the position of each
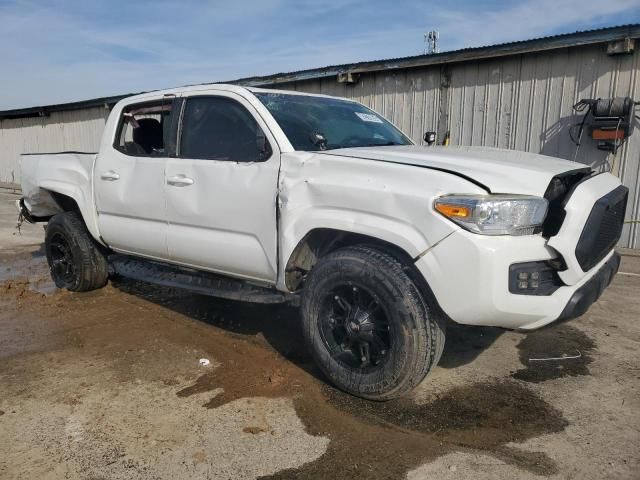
(129, 178)
(221, 190)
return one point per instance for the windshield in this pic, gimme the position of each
(319, 123)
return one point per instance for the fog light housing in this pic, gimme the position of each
(533, 278)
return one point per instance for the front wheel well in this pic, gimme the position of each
(321, 241)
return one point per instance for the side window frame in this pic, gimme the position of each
(172, 145)
(256, 117)
(170, 148)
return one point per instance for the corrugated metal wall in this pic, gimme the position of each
(520, 102)
(78, 130)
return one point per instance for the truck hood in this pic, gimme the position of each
(496, 170)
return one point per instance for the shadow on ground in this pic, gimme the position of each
(464, 344)
(280, 326)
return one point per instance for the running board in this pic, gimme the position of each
(196, 281)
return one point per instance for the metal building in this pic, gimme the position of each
(517, 95)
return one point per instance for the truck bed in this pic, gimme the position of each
(68, 172)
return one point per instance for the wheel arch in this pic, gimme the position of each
(321, 241)
(68, 198)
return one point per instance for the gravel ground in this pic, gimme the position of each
(108, 385)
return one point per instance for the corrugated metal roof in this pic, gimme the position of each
(566, 40)
(45, 110)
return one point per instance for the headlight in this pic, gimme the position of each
(494, 214)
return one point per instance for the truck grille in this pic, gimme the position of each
(602, 230)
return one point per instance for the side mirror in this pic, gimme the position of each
(430, 138)
(319, 140)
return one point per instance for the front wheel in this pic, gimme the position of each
(75, 260)
(367, 325)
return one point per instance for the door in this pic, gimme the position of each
(221, 190)
(129, 179)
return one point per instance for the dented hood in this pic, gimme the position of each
(497, 170)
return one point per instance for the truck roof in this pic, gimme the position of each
(218, 87)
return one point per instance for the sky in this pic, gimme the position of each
(54, 51)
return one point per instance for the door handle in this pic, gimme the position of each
(180, 181)
(110, 176)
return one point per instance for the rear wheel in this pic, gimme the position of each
(75, 260)
(367, 325)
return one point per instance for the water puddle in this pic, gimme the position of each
(554, 352)
(26, 271)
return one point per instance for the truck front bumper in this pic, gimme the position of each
(469, 276)
(588, 293)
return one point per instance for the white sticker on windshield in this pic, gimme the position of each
(368, 117)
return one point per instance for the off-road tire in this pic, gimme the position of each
(67, 236)
(416, 332)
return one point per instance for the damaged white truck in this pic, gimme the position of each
(273, 196)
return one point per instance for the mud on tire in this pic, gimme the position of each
(359, 295)
(75, 261)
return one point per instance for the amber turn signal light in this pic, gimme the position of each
(452, 210)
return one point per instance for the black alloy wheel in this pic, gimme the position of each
(61, 265)
(355, 327)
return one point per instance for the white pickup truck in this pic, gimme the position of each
(274, 196)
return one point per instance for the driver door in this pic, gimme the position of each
(221, 189)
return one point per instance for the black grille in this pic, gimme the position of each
(603, 228)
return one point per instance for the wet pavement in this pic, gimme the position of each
(107, 384)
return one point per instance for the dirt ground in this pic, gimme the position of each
(108, 385)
